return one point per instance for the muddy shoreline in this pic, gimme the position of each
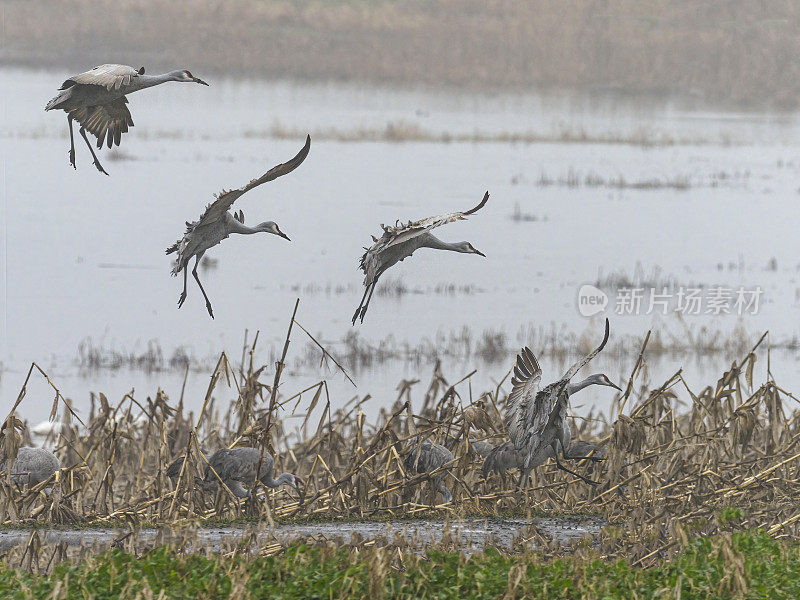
(471, 535)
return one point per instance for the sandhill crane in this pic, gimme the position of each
(506, 457)
(399, 242)
(96, 99)
(32, 466)
(426, 457)
(537, 420)
(237, 467)
(217, 223)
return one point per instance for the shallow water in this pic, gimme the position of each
(472, 534)
(83, 254)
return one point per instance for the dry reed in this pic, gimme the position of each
(675, 458)
(727, 52)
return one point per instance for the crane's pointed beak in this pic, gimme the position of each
(479, 253)
(615, 386)
(198, 80)
(283, 235)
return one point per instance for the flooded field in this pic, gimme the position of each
(85, 275)
(595, 394)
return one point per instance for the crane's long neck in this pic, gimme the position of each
(446, 495)
(146, 81)
(238, 489)
(577, 387)
(431, 241)
(236, 227)
(282, 478)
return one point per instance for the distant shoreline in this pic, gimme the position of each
(728, 55)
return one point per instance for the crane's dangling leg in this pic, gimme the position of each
(94, 156)
(360, 304)
(71, 141)
(524, 474)
(197, 279)
(371, 290)
(579, 476)
(182, 299)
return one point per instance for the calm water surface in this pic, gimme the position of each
(83, 254)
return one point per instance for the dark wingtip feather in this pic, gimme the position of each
(605, 337)
(480, 206)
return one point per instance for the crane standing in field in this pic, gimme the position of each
(537, 419)
(32, 466)
(96, 99)
(399, 242)
(241, 466)
(217, 223)
(427, 457)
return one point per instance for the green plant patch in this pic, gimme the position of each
(738, 565)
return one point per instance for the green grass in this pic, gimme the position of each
(738, 565)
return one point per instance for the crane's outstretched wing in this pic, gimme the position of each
(106, 122)
(401, 233)
(227, 197)
(533, 421)
(111, 77)
(521, 406)
(584, 361)
(211, 217)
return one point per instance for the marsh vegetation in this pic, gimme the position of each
(733, 54)
(680, 463)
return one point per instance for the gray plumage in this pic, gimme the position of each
(217, 223)
(174, 471)
(474, 448)
(32, 466)
(537, 419)
(238, 467)
(427, 457)
(506, 457)
(97, 100)
(501, 459)
(584, 449)
(401, 241)
(481, 448)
